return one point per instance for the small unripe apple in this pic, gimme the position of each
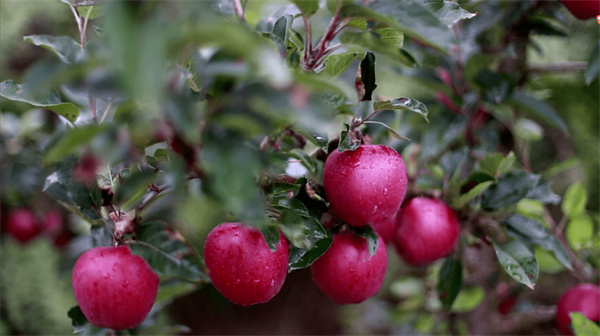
(114, 288)
(583, 9)
(583, 298)
(426, 230)
(241, 265)
(346, 273)
(365, 186)
(22, 225)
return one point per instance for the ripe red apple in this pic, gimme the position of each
(366, 185)
(22, 225)
(241, 265)
(385, 228)
(52, 223)
(426, 230)
(114, 288)
(583, 298)
(583, 9)
(346, 273)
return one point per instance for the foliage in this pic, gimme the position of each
(162, 129)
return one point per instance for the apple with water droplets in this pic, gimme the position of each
(583, 298)
(426, 230)
(114, 288)
(241, 265)
(365, 186)
(346, 273)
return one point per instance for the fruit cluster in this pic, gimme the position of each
(23, 225)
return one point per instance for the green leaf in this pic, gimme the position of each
(69, 141)
(347, 140)
(64, 47)
(582, 326)
(319, 141)
(451, 12)
(367, 76)
(301, 258)
(307, 7)
(385, 41)
(394, 133)
(580, 232)
(325, 84)
(134, 186)
(560, 167)
(49, 99)
(509, 190)
(593, 65)
(468, 299)
(495, 87)
(409, 17)
(95, 11)
(539, 109)
(471, 194)
(402, 104)
(544, 194)
(575, 200)
(449, 281)
(371, 236)
(537, 234)
(518, 260)
(271, 235)
(336, 64)
(77, 318)
(304, 158)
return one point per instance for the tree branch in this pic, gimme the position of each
(560, 66)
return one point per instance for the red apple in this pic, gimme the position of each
(52, 223)
(366, 185)
(114, 288)
(583, 9)
(426, 230)
(22, 225)
(241, 265)
(346, 273)
(583, 298)
(385, 228)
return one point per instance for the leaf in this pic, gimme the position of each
(367, 76)
(94, 11)
(582, 326)
(77, 318)
(518, 260)
(468, 299)
(304, 158)
(560, 167)
(575, 200)
(271, 235)
(325, 84)
(68, 142)
(307, 7)
(402, 104)
(471, 194)
(319, 141)
(371, 236)
(580, 232)
(537, 234)
(394, 133)
(41, 98)
(539, 109)
(385, 41)
(348, 141)
(133, 187)
(495, 87)
(593, 65)
(449, 281)
(336, 64)
(64, 47)
(301, 258)
(544, 194)
(509, 190)
(451, 12)
(409, 17)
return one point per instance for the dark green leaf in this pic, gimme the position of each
(77, 318)
(367, 76)
(582, 326)
(575, 200)
(64, 47)
(402, 104)
(509, 190)
(348, 141)
(544, 194)
(69, 141)
(449, 281)
(496, 164)
(518, 260)
(307, 7)
(281, 31)
(371, 236)
(271, 235)
(539, 109)
(496, 87)
(301, 258)
(593, 65)
(134, 186)
(40, 98)
(471, 194)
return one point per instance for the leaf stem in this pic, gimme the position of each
(239, 10)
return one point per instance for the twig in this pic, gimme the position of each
(239, 10)
(92, 102)
(155, 192)
(561, 66)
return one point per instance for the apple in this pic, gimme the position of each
(583, 298)
(52, 223)
(583, 9)
(346, 273)
(114, 288)
(241, 265)
(426, 230)
(385, 228)
(22, 225)
(365, 186)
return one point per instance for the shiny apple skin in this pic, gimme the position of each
(583, 9)
(583, 298)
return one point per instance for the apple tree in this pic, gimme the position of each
(432, 165)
